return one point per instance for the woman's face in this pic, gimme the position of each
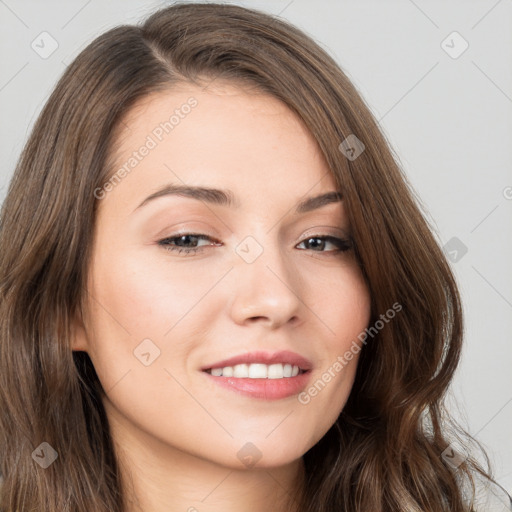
(271, 286)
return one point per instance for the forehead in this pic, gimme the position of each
(221, 136)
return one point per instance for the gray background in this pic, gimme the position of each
(449, 120)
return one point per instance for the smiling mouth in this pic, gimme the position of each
(257, 371)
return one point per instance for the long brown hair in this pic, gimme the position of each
(384, 453)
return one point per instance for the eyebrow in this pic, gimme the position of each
(227, 198)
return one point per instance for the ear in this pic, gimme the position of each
(78, 333)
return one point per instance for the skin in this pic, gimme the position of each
(176, 433)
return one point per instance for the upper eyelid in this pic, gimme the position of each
(314, 231)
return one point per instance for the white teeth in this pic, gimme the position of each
(226, 372)
(275, 371)
(241, 371)
(257, 371)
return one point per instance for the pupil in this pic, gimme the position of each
(313, 244)
(185, 238)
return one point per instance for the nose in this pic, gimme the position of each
(266, 290)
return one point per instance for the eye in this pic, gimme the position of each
(342, 244)
(188, 243)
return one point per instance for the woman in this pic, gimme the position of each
(217, 289)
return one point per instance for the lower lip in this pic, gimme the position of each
(266, 389)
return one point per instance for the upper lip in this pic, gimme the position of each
(283, 356)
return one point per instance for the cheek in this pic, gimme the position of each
(343, 306)
(145, 304)
(148, 295)
(345, 310)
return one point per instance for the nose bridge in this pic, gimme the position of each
(264, 281)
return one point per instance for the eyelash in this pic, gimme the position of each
(342, 243)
